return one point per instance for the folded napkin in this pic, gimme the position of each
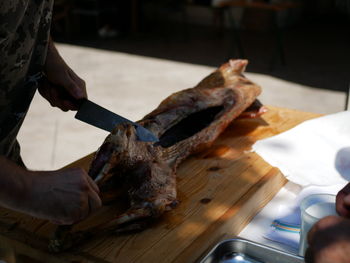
(316, 152)
(314, 155)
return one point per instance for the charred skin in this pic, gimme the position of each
(185, 122)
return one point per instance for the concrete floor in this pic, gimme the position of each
(133, 83)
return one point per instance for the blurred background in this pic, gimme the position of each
(302, 41)
(132, 54)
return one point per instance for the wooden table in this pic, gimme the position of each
(220, 190)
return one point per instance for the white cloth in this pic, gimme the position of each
(316, 152)
(315, 155)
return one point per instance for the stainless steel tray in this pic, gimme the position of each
(240, 250)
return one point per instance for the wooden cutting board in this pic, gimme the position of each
(220, 190)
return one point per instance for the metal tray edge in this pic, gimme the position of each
(242, 240)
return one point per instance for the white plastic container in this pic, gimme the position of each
(313, 208)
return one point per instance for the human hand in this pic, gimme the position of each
(65, 196)
(62, 87)
(329, 241)
(343, 202)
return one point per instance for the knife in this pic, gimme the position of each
(98, 116)
(102, 118)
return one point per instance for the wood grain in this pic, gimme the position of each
(220, 190)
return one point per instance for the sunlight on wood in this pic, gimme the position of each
(190, 230)
(215, 211)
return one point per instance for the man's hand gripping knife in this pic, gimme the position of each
(61, 86)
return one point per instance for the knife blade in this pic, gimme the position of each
(102, 118)
(96, 115)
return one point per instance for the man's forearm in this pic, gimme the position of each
(53, 56)
(14, 183)
(63, 87)
(52, 52)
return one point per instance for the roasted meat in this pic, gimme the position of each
(185, 123)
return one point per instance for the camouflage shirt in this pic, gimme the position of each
(24, 34)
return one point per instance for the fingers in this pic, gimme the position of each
(45, 91)
(76, 86)
(343, 202)
(52, 94)
(323, 224)
(63, 89)
(91, 204)
(91, 199)
(64, 197)
(57, 100)
(93, 184)
(85, 196)
(94, 202)
(329, 241)
(341, 207)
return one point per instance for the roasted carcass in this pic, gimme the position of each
(185, 122)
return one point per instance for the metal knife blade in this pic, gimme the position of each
(102, 118)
